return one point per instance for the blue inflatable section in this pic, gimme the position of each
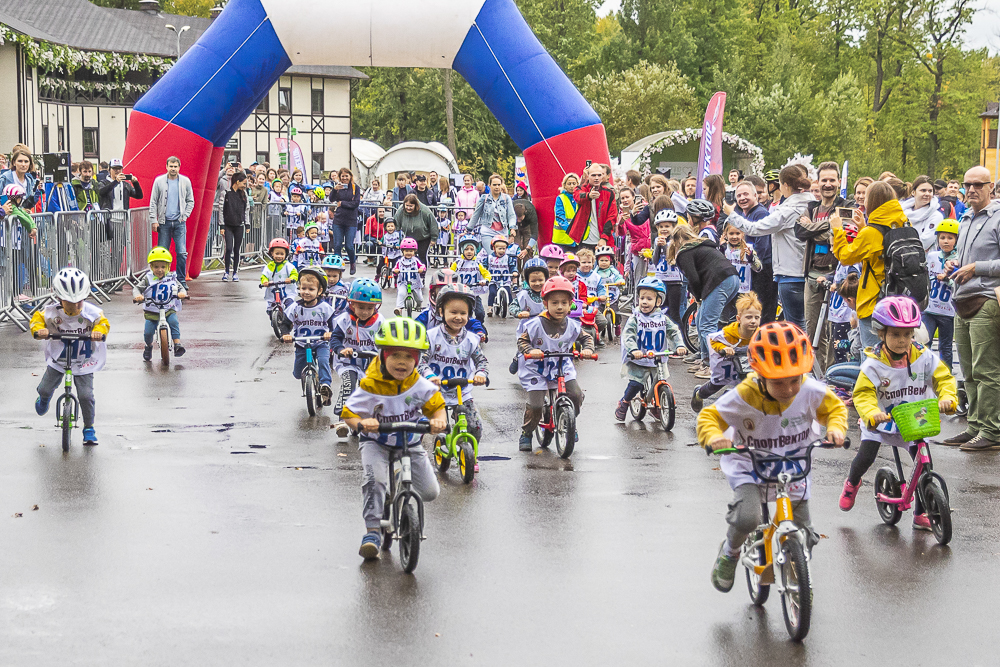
(554, 102)
(238, 88)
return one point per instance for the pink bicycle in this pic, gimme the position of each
(893, 495)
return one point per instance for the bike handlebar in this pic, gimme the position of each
(407, 427)
(69, 337)
(455, 382)
(760, 457)
(277, 282)
(307, 339)
(358, 353)
(559, 355)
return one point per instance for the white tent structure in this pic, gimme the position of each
(365, 155)
(416, 156)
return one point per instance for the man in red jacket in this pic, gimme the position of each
(596, 211)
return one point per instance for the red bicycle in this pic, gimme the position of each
(559, 411)
(276, 312)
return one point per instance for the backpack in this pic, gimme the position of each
(905, 262)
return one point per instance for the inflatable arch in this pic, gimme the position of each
(201, 102)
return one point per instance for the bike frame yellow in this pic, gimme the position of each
(782, 515)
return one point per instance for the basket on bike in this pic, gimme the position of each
(917, 420)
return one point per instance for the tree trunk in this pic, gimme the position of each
(449, 113)
(935, 111)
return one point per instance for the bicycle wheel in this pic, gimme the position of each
(938, 511)
(409, 537)
(668, 407)
(565, 414)
(164, 346)
(503, 302)
(689, 329)
(387, 516)
(309, 383)
(638, 408)
(276, 323)
(66, 421)
(466, 461)
(544, 435)
(442, 458)
(887, 484)
(796, 601)
(758, 591)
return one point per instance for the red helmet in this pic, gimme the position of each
(850, 231)
(557, 284)
(277, 243)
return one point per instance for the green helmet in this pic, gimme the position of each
(771, 175)
(402, 332)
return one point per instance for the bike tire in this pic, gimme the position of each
(387, 535)
(668, 407)
(441, 460)
(637, 408)
(409, 305)
(565, 427)
(164, 346)
(796, 601)
(311, 394)
(887, 484)
(409, 537)
(758, 591)
(276, 323)
(689, 331)
(503, 303)
(938, 511)
(66, 422)
(466, 462)
(544, 435)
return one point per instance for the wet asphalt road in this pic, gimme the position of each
(217, 524)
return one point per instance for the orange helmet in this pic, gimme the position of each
(780, 350)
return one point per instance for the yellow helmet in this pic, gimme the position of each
(948, 226)
(159, 254)
(402, 332)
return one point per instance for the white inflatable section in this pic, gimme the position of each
(387, 33)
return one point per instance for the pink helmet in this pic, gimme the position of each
(408, 244)
(900, 312)
(552, 251)
(13, 190)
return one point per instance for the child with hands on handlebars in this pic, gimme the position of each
(501, 266)
(354, 332)
(897, 370)
(647, 331)
(336, 290)
(471, 272)
(409, 270)
(774, 408)
(72, 314)
(430, 317)
(157, 285)
(393, 391)
(724, 345)
(310, 315)
(551, 331)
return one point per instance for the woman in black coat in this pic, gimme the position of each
(235, 219)
(347, 196)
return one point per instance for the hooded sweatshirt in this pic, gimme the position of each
(924, 220)
(867, 249)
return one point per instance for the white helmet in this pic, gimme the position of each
(71, 284)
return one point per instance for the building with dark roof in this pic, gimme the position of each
(71, 72)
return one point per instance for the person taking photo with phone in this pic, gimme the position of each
(116, 191)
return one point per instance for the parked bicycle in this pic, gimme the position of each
(778, 542)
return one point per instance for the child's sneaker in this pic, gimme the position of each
(697, 402)
(179, 350)
(724, 571)
(849, 495)
(621, 410)
(371, 546)
(89, 436)
(694, 357)
(513, 366)
(42, 405)
(921, 522)
(524, 443)
(342, 429)
(326, 391)
(704, 374)
(225, 277)
(147, 353)
(236, 277)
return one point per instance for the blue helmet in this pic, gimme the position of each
(654, 284)
(513, 250)
(364, 290)
(333, 262)
(467, 239)
(535, 264)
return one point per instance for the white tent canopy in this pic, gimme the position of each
(416, 156)
(366, 155)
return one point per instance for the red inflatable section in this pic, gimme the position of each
(148, 143)
(545, 176)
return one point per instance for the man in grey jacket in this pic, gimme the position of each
(170, 205)
(977, 320)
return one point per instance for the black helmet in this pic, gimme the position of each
(702, 208)
(317, 273)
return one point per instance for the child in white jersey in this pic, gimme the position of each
(840, 312)
(742, 256)
(308, 251)
(595, 288)
(323, 224)
(664, 271)
(939, 316)
(354, 331)
(774, 407)
(336, 290)
(647, 330)
(725, 345)
(444, 226)
(610, 276)
(470, 271)
(279, 270)
(310, 315)
(501, 267)
(295, 213)
(393, 391)
(455, 352)
(72, 314)
(409, 270)
(390, 242)
(528, 302)
(551, 331)
(158, 285)
(896, 371)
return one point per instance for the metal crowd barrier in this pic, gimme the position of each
(139, 240)
(109, 248)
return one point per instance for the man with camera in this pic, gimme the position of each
(116, 191)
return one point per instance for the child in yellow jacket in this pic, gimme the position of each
(896, 371)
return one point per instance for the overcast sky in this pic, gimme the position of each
(984, 31)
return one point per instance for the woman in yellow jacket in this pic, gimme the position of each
(867, 250)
